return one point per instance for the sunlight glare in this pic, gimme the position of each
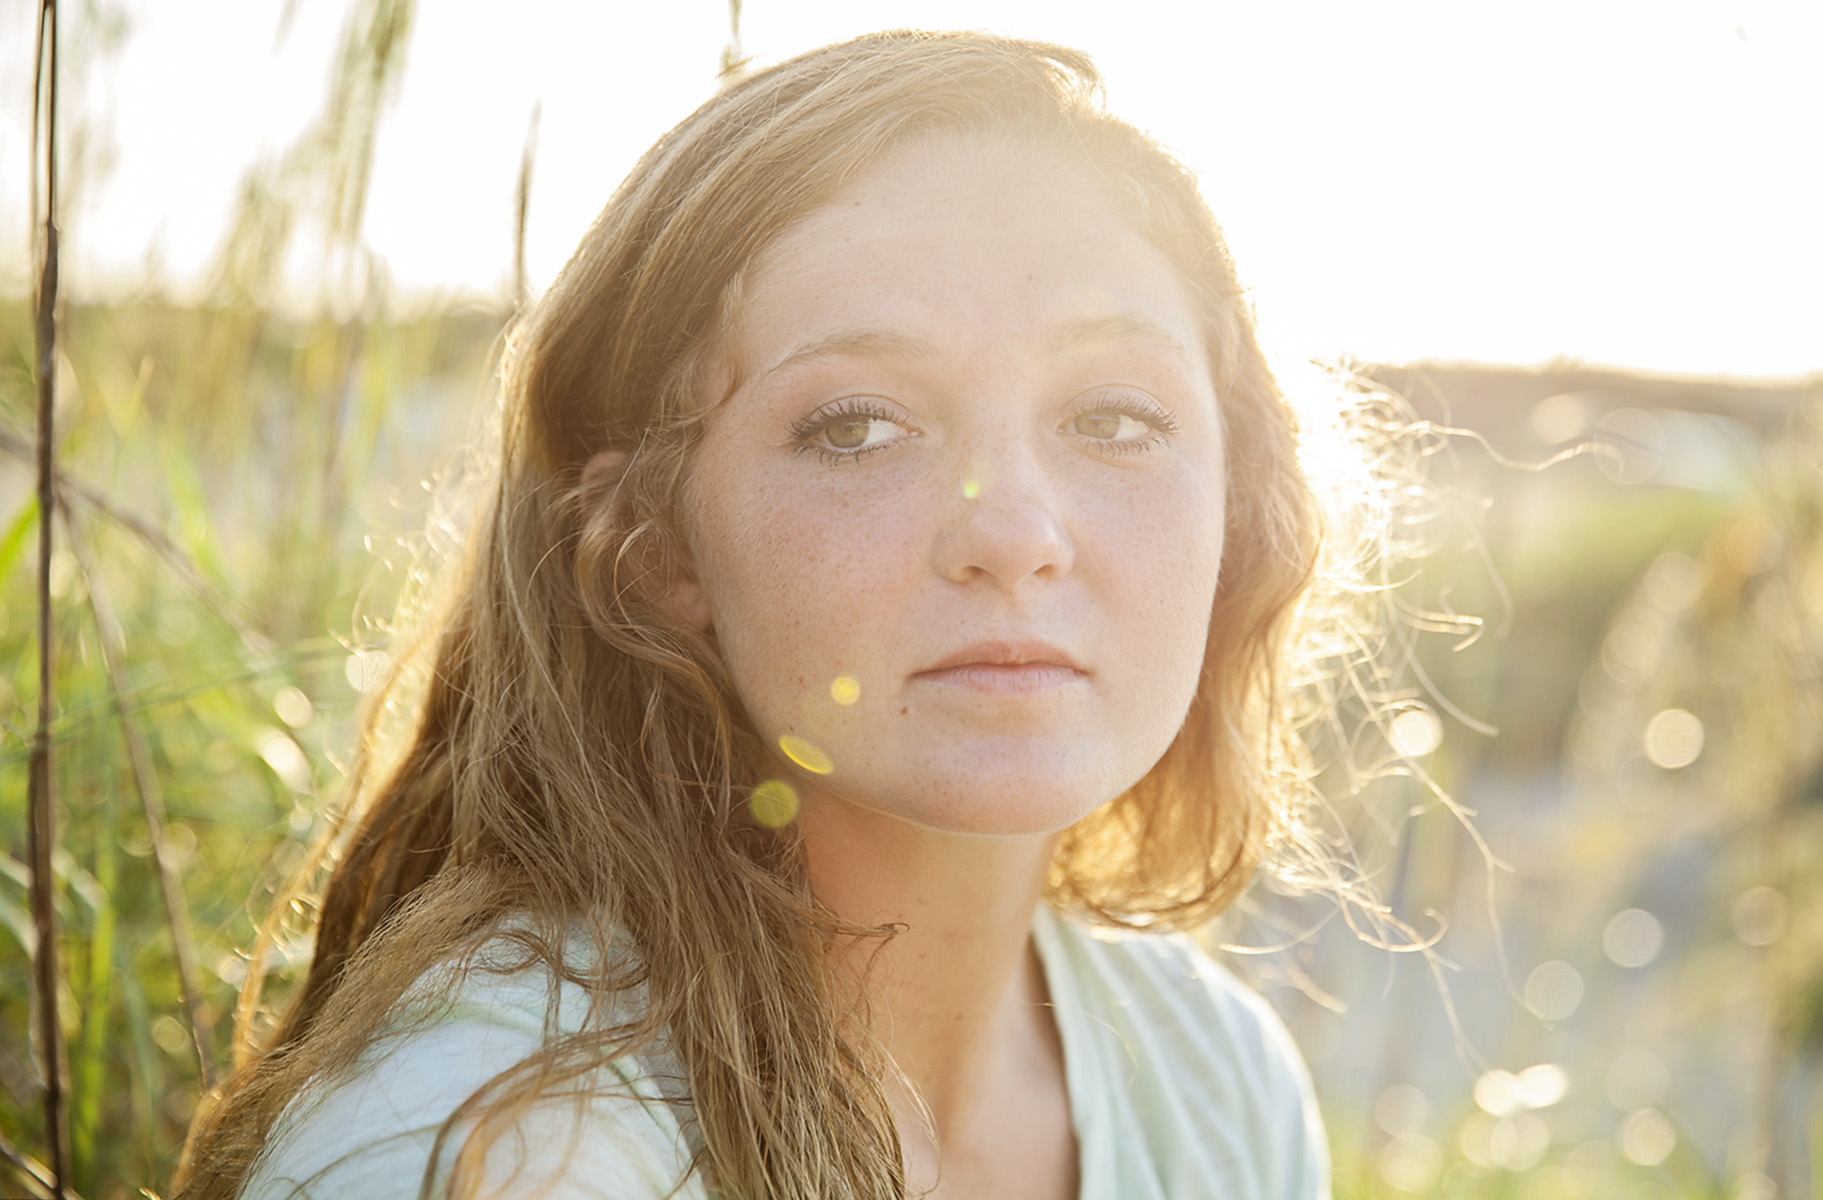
(1525, 221)
(1760, 916)
(1411, 1163)
(1647, 1138)
(774, 803)
(286, 759)
(1515, 1143)
(1543, 1085)
(293, 707)
(805, 755)
(1674, 739)
(365, 669)
(1633, 938)
(1560, 418)
(1497, 1093)
(1630, 445)
(1554, 990)
(1402, 1109)
(1416, 732)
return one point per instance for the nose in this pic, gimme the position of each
(1006, 526)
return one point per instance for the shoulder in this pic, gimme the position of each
(373, 1130)
(1193, 1040)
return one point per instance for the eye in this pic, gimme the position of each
(1110, 426)
(856, 433)
(1120, 420)
(850, 428)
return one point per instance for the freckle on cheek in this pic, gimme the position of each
(903, 711)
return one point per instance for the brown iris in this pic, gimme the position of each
(848, 435)
(1105, 426)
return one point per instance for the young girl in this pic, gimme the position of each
(875, 645)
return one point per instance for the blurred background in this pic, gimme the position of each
(292, 234)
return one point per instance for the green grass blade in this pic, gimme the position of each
(12, 542)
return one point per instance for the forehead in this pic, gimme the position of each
(961, 232)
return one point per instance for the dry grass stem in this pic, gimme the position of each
(151, 802)
(41, 835)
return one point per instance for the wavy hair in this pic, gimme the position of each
(576, 758)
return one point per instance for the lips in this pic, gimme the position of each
(1006, 667)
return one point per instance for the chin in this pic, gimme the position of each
(1019, 803)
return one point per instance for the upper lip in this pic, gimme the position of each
(1005, 653)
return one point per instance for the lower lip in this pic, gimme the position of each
(1005, 679)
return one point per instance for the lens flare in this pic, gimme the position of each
(806, 755)
(1497, 1093)
(1760, 916)
(774, 803)
(1647, 1137)
(1415, 732)
(977, 477)
(1674, 738)
(845, 690)
(1633, 938)
(1543, 1085)
(1554, 990)
(1402, 1110)
(285, 758)
(1411, 1162)
(294, 707)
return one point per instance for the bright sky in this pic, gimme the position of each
(1635, 184)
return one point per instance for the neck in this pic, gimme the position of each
(955, 996)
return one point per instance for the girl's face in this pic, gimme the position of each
(957, 524)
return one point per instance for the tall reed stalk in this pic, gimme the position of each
(41, 836)
(522, 201)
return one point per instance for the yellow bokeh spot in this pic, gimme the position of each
(1674, 738)
(971, 489)
(806, 755)
(845, 690)
(774, 803)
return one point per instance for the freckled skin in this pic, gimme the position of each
(1096, 532)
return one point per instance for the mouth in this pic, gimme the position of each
(1006, 668)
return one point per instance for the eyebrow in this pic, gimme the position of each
(1114, 327)
(856, 343)
(1063, 337)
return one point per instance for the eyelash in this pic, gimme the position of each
(1126, 404)
(805, 430)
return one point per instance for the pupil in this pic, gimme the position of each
(846, 435)
(1098, 425)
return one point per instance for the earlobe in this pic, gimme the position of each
(603, 471)
(685, 599)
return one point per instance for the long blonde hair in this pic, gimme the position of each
(578, 759)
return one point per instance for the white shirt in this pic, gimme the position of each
(1183, 1084)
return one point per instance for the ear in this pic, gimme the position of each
(666, 577)
(603, 471)
(682, 594)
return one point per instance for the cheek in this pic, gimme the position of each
(1170, 561)
(800, 583)
(1167, 537)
